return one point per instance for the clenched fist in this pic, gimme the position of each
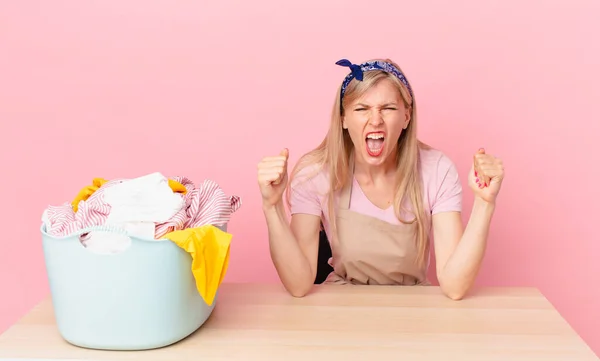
(273, 177)
(487, 174)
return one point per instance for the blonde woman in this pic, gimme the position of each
(378, 193)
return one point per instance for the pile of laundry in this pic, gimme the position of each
(151, 207)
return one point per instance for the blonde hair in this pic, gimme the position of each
(333, 155)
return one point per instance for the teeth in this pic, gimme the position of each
(375, 136)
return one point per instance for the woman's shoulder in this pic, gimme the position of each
(433, 159)
(310, 175)
(437, 167)
(309, 186)
(443, 188)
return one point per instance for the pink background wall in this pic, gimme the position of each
(121, 89)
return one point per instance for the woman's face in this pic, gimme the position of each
(375, 122)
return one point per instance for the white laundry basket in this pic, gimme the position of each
(142, 298)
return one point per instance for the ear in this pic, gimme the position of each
(407, 114)
(344, 126)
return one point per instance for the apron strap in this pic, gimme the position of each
(347, 190)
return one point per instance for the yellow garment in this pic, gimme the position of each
(87, 191)
(209, 248)
(177, 187)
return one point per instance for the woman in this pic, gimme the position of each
(378, 192)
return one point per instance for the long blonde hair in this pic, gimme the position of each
(333, 155)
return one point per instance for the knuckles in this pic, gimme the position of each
(487, 164)
(272, 161)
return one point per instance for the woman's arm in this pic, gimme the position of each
(294, 248)
(459, 253)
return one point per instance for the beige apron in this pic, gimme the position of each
(369, 251)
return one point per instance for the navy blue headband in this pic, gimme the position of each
(356, 72)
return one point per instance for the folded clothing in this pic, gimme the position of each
(169, 204)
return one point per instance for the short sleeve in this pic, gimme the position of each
(304, 195)
(449, 189)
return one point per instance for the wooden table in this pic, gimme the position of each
(263, 322)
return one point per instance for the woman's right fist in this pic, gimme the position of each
(273, 177)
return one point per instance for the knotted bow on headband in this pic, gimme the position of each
(357, 71)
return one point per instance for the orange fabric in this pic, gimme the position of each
(87, 191)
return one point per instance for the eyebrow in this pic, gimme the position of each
(383, 105)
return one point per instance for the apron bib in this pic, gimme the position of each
(369, 251)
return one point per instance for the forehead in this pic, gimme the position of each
(384, 91)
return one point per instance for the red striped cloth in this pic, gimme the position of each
(204, 204)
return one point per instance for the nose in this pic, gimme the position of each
(376, 118)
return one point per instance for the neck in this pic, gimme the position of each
(374, 173)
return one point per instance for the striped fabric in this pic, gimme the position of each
(204, 204)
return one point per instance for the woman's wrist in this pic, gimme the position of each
(274, 209)
(483, 206)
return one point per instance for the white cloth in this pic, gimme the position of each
(102, 242)
(145, 199)
(144, 230)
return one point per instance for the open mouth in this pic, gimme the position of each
(375, 142)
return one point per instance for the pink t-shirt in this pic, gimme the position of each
(441, 187)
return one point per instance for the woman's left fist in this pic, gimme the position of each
(486, 176)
